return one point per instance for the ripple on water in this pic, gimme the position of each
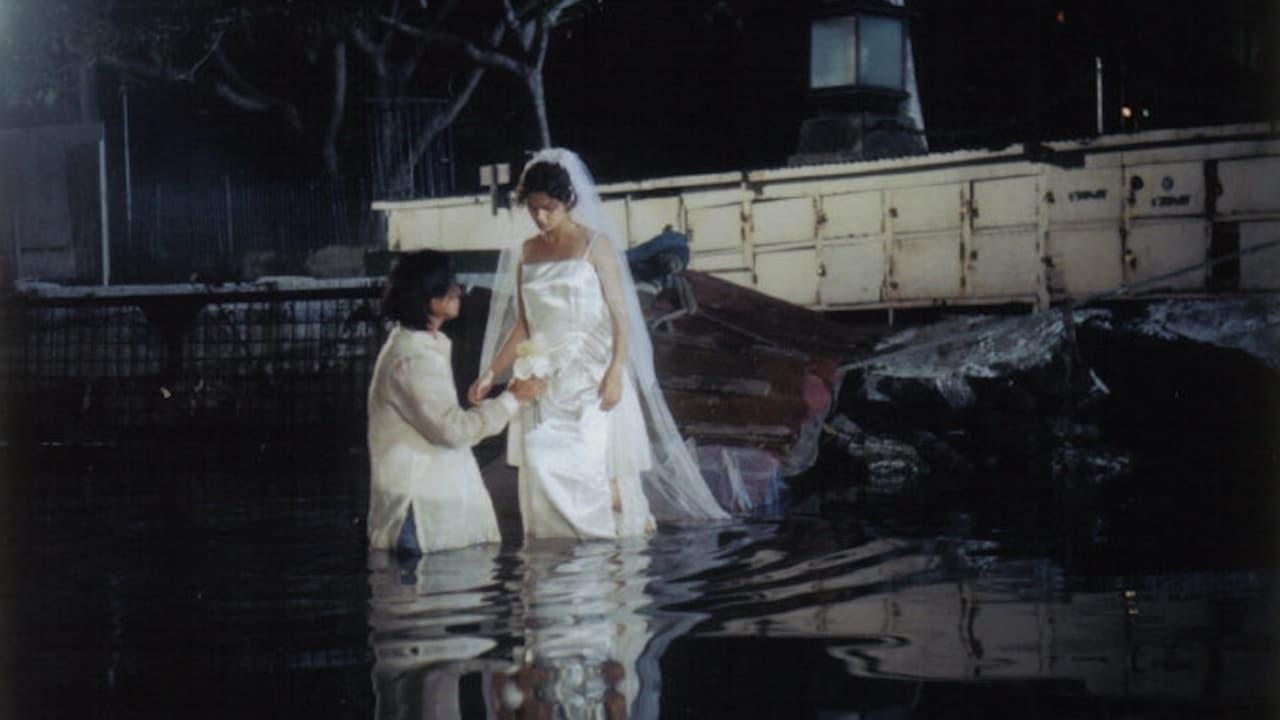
(145, 607)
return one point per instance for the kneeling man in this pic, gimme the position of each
(426, 493)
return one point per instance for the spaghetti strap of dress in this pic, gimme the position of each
(591, 238)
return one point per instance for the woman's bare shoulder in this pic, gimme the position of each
(529, 247)
(601, 248)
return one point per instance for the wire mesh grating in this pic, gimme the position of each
(281, 365)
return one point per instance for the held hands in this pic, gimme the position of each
(527, 389)
(532, 387)
(611, 387)
(479, 389)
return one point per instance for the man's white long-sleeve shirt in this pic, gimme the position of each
(420, 447)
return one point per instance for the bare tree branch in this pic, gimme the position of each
(329, 142)
(214, 47)
(411, 63)
(480, 56)
(444, 119)
(553, 13)
(443, 10)
(537, 95)
(396, 12)
(244, 95)
(231, 87)
(528, 22)
(397, 39)
(509, 16)
(362, 41)
(155, 71)
(376, 51)
(544, 41)
(516, 23)
(532, 23)
(145, 71)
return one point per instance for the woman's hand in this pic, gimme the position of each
(479, 389)
(611, 387)
(527, 389)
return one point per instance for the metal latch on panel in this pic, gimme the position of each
(494, 177)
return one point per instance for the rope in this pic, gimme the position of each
(1126, 289)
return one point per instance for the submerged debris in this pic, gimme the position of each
(949, 356)
(1063, 402)
(1250, 324)
(891, 466)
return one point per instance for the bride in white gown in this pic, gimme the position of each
(599, 454)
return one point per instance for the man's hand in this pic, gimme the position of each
(479, 389)
(527, 389)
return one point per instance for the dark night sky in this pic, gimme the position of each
(672, 86)
(660, 87)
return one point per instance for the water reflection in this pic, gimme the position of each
(417, 610)
(221, 596)
(947, 611)
(555, 629)
(579, 630)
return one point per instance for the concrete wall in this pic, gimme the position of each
(50, 205)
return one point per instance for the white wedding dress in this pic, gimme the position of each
(563, 490)
(567, 448)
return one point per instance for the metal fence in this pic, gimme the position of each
(402, 167)
(262, 366)
(230, 228)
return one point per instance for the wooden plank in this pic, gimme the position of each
(787, 325)
(739, 432)
(690, 407)
(715, 384)
(782, 374)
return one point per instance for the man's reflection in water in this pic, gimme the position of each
(419, 661)
(570, 630)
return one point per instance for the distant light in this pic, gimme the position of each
(1146, 112)
(1126, 112)
(1062, 17)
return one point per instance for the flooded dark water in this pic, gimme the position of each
(134, 588)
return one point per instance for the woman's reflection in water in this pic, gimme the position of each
(595, 622)
(559, 629)
(557, 635)
(580, 616)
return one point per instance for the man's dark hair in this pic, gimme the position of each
(415, 280)
(549, 178)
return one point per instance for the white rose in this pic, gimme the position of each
(531, 366)
(531, 359)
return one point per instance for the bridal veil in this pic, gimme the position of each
(674, 486)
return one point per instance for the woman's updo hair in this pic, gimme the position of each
(415, 280)
(546, 177)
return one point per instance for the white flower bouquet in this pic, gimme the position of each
(533, 361)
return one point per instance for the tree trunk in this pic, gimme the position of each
(329, 142)
(404, 165)
(533, 80)
(438, 122)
